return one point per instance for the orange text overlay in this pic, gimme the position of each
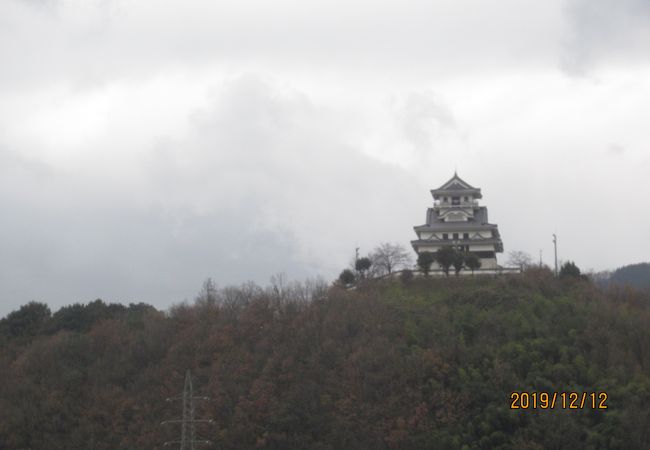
(563, 400)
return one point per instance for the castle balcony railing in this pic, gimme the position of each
(473, 203)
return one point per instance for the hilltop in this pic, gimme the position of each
(423, 364)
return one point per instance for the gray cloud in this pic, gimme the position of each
(424, 119)
(263, 183)
(615, 149)
(89, 43)
(601, 30)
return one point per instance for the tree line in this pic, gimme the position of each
(387, 258)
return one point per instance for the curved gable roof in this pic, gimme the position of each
(456, 184)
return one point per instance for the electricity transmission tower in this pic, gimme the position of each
(188, 440)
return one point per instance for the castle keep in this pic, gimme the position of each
(456, 219)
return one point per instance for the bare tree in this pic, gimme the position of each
(389, 257)
(208, 294)
(520, 259)
(279, 285)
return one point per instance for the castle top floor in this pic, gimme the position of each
(456, 193)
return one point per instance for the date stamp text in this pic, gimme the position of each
(564, 400)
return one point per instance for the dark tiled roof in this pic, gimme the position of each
(468, 226)
(455, 183)
(480, 217)
(456, 186)
(434, 222)
(495, 241)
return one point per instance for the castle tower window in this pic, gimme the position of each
(455, 200)
(465, 235)
(445, 236)
(455, 236)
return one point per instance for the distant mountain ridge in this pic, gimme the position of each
(635, 275)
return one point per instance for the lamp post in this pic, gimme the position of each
(555, 248)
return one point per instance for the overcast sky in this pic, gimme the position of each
(146, 145)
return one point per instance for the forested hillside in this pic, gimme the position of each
(637, 275)
(423, 364)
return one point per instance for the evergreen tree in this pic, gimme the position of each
(458, 261)
(472, 262)
(362, 265)
(347, 277)
(569, 269)
(445, 257)
(425, 259)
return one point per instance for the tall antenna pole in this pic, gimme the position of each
(555, 247)
(540, 258)
(188, 439)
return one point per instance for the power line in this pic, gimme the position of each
(188, 440)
